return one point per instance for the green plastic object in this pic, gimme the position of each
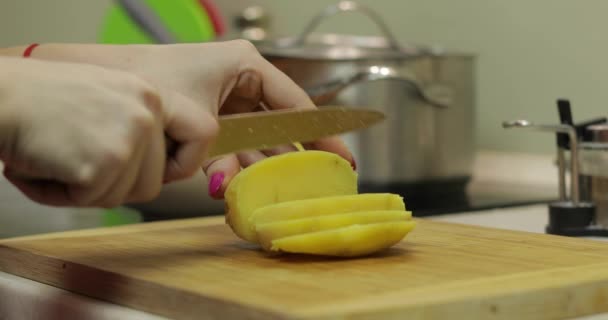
(184, 18)
(120, 216)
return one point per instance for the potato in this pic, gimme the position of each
(307, 202)
(327, 205)
(286, 177)
(351, 241)
(269, 231)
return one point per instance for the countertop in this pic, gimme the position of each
(25, 299)
(32, 300)
(493, 173)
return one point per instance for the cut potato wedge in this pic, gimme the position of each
(327, 205)
(351, 241)
(286, 177)
(267, 232)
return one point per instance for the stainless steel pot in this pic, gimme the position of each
(426, 94)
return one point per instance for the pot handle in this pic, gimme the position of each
(346, 6)
(434, 94)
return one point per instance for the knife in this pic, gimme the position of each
(267, 129)
(264, 130)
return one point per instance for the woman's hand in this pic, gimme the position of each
(221, 78)
(226, 78)
(83, 135)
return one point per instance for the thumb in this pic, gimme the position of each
(194, 130)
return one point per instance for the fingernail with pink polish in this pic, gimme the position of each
(353, 164)
(215, 183)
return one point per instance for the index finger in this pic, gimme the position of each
(280, 92)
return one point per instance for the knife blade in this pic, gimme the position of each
(263, 130)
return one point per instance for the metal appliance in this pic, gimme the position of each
(425, 148)
(578, 213)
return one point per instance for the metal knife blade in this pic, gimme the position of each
(263, 130)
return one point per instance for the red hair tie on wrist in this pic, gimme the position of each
(28, 51)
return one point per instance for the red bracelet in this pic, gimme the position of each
(28, 51)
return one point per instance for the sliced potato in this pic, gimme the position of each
(351, 241)
(327, 205)
(267, 232)
(286, 177)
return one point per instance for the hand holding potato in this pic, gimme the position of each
(220, 77)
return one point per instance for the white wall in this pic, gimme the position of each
(27, 21)
(530, 52)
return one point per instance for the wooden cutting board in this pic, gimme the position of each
(197, 269)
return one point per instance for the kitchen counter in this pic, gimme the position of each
(32, 300)
(527, 218)
(496, 176)
(25, 299)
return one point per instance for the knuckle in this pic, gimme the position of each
(210, 129)
(152, 100)
(116, 156)
(143, 120)
(149, 95)
(85, 174)
(207, 133)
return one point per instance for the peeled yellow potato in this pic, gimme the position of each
(351, 241)
(327, 205)
(267, 232)
(286, 177)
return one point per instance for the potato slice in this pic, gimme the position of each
(351, 241)
(286, 177)
(267, 232)
(299, 209)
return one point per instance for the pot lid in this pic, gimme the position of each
(339, 47)
(308, 45)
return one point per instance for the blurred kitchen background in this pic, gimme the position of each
(526, 54)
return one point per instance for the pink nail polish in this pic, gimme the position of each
(215, 183)
(353, 164)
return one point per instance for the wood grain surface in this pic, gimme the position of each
(197, 269)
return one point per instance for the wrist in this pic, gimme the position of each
(129, 57)
(124, 57)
